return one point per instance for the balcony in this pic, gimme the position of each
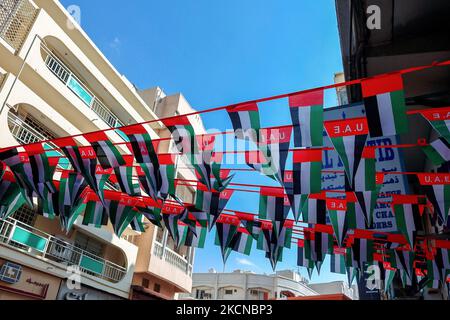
(16, 19)
(36, 243)
(71, 81)
(170, 266)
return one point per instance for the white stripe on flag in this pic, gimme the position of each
(305, 181)
(385, 111)
(304, 118)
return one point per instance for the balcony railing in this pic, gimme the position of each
(63, 73)
(16, 19)
(34, 242)
(172, 258)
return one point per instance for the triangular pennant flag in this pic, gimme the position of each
(121, 211)
(242, 242)
(141, 144)
(197, 239)
(274, 144)
(138, 224)
(314, 210)
(388, 278)
(337, 212)
(437, 189)
(171, 214)
(226, 226)
(124, 176)
(365, 176)
(274, 206)
(11, 198)
(384, 102)
(183, 135)
(406, 213)
(212, 203)
(438, 151)
(71, 186)
(363, 250)
(307, 117)
(107, 154)
(337, 264)
(249, 222)
(366, 205)
(95, 213)
(348, 138)
(158, 182)
(439, 118)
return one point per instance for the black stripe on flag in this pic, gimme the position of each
(373, 116)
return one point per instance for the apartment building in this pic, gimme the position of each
(55, 82)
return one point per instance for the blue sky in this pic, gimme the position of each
(219, 52)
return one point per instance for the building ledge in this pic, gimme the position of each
(150, 293)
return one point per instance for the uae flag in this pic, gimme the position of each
(348, 138)
(71, 186)
(275, 255)
(365, 206)
(226, 227)
(337, 209)
(188, 219)
(171, 214)
(363, 250)
(406, 213)
(274, 144)
(352, 273)
(123, 176)
(212, 203)
(249, 222)
(95, 214)
(218, 179)
(307, 177)
(183, 135)
(41, 169)
(389, 274)
(120, 209)
(274, 206)
(315, 209)
(317, 245)
(107, 154)
(439, 118)
(258, 161)
(141, 144)
(438, 151)
(384, 102)
(437, 189)
(84, 161)
(138, 224)
(11, 198)
(307, 118)
(296, 200)
(158, 182)
(245, 121)
(196, 239)
(199, 215)
(365, 176)
(302, 257)
(152, 211)
(242, 242)
(337, 264)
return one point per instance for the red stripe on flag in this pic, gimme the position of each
(245, 216)
(383, 84)
(87, 153)
(368, 153)
(428, 179)
(95, 136)
(307, 155)
(243, 107)
(276, 135)
(272, 191)
(347, 127)
(166, 158)
(228, 219)
(313, 98)
(34, 149)
(134, 129)
(436, 114)
(255, 157)
(65, 142)
(336, 204)
(178, 121)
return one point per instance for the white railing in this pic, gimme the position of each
(35, 242)
(16, 19)
(172, 258)
(63, 73)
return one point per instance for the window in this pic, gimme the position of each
(202, 294)
(157, 287)
(254, 292)
(145, 283)
(88, 244)
(25, 215)
(229, 292)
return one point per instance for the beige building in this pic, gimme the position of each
(54, 82)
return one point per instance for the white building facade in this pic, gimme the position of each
(55, 82)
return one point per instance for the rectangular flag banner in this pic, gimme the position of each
(141, 144)
(307, 118)
(245, 121)
(124, 176)
(384, 101)
(349, 138)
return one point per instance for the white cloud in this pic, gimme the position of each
(115, 44)
(245, 262)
